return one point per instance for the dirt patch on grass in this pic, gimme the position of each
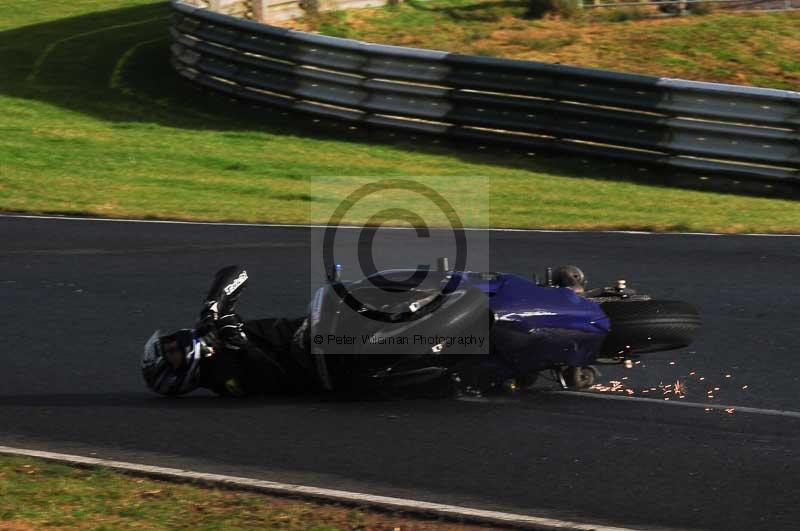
(15, 525)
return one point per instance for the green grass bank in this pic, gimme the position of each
(35, 494)
(94, 121)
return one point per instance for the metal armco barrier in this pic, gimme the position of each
(739, 132)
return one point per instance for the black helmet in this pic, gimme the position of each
(171, 363)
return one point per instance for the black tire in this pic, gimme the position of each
(638, 327)
(579, 378)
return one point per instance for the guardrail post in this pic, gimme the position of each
(260, 10)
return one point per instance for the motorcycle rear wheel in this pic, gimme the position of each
(641, 326)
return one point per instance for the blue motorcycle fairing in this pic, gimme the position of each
(518, 300)
(537, 327)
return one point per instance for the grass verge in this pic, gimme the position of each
(36, 494)
(96, 122)
(760, 49)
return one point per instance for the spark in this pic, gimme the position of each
(692, 373)
(730, 410)
(702, 378)
(614, 387)
(709, 409)
(745, 386)
(672, 363)
(727, 376)
(617, 386)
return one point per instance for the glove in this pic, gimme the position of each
(230, 330)
(206, 328)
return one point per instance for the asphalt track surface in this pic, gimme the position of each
(80, 297)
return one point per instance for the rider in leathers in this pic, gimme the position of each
(267, 356)
(235, 358)
(273, 360)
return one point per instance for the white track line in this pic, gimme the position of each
(340, 496)
(321, 226)
(720, 407)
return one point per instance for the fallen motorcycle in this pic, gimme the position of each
(553, 326)
(418, 330)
